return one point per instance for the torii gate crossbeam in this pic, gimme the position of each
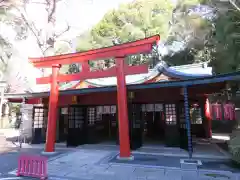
(119, 52)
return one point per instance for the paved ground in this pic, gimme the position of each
(5, 146)
(9, 160)
(97, 163)
(173, 162)
(9, 153)
(88, 164)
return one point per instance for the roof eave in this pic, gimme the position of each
(180, 83)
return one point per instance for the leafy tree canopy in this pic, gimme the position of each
(137, 20)
(225, 40)
(220, 42)
(144, 18)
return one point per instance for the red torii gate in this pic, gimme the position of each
(119, 52)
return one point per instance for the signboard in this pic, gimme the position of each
(26, 107)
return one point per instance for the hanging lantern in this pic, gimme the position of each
(217, 111)
(229, 111)
(74, 99)
(131, 95)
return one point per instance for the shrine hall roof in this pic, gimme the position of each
(178, 83)
(184, 72)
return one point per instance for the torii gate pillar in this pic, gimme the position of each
(53, 102)
(122, 110)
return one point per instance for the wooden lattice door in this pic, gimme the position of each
(76, 126)
(40, 116)
(183, 128)
(91, 125)
(136, 126)
(171, 127)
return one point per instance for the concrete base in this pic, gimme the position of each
(190, 164)
(131, 158)
(48, 153)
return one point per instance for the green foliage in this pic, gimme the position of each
(216, 41)
(226, 39)
(234, 145)
(192, 31)
(133, 21)
(189, 28)
(144, 18)
(186, 56)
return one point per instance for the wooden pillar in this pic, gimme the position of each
(208, 117)
(188, 123)
(122, 110)
(52, 113)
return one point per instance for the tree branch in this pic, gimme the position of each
(50, 16)
(32, 29)
(47, 49)
(60, 34)
(234, 5)
(3, 3)
(3, 61)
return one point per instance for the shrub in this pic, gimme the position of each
(234, 145)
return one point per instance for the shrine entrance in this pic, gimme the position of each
(76, 126)
(153, 123)
(102, 124)
(83, 124)
(135, 125)
(76, 129)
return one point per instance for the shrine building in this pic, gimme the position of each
(125, 105)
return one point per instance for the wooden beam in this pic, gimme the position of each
(129, 70)
(146, 48)
(122, 50)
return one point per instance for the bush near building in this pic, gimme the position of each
(234, 145)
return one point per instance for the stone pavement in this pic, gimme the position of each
(87, 164)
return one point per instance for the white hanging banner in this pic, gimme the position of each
(150, 107)
(64, 110)
(100, 110)
(158, 107)
(113, 109)
(106, 110)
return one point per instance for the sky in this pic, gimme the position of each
(83, 14)
(80, 15)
